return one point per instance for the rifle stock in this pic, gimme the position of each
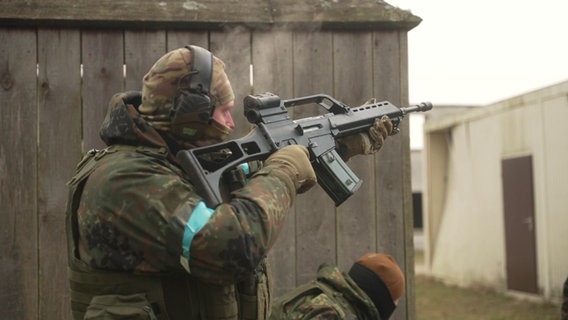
(274, 129)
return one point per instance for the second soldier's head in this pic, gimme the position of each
(380, 277)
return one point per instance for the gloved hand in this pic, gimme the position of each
(366, 142)
(296, 160)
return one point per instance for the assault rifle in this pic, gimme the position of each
(274, 129)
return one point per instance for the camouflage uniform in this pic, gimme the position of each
(333, 295)
(128, 202)
(370, 290)
(135, 223)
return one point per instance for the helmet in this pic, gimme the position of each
(181, 91)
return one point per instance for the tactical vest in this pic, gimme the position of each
(313, 289)
(101, 294)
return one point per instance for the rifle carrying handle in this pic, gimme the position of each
(335, 177)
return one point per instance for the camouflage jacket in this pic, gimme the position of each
(333, 295)
(138, 210)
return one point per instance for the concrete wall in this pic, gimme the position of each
(463, 204)
(416, 121)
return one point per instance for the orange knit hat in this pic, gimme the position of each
(380, 277)
(387, 269)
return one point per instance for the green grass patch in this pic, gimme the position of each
(436, 301)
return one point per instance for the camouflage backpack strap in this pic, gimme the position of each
(75, 185)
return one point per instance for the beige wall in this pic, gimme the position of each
(464, 223)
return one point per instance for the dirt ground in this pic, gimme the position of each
(436, 301)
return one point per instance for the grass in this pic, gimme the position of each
(434, 300)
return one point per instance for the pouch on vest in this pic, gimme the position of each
(120, 307)
(313, 290)
(255, 294)
(216, 301)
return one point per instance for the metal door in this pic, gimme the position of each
(518, 199)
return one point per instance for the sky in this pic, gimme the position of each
(484, 51)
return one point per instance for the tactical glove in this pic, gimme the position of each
(295, 160)
(366, 142)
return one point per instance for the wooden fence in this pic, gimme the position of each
(55, 84)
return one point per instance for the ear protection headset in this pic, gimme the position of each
(193, 98)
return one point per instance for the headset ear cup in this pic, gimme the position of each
(191, 103)
(192, 108)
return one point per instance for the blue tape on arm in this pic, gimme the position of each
(246, 168)
(198, 219)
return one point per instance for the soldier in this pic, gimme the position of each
(141, 240)
(370, 290)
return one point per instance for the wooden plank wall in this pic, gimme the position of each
(55, 85)
(18, 175)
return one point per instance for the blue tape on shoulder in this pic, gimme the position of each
(198, 219)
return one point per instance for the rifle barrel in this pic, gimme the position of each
(422, 107)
